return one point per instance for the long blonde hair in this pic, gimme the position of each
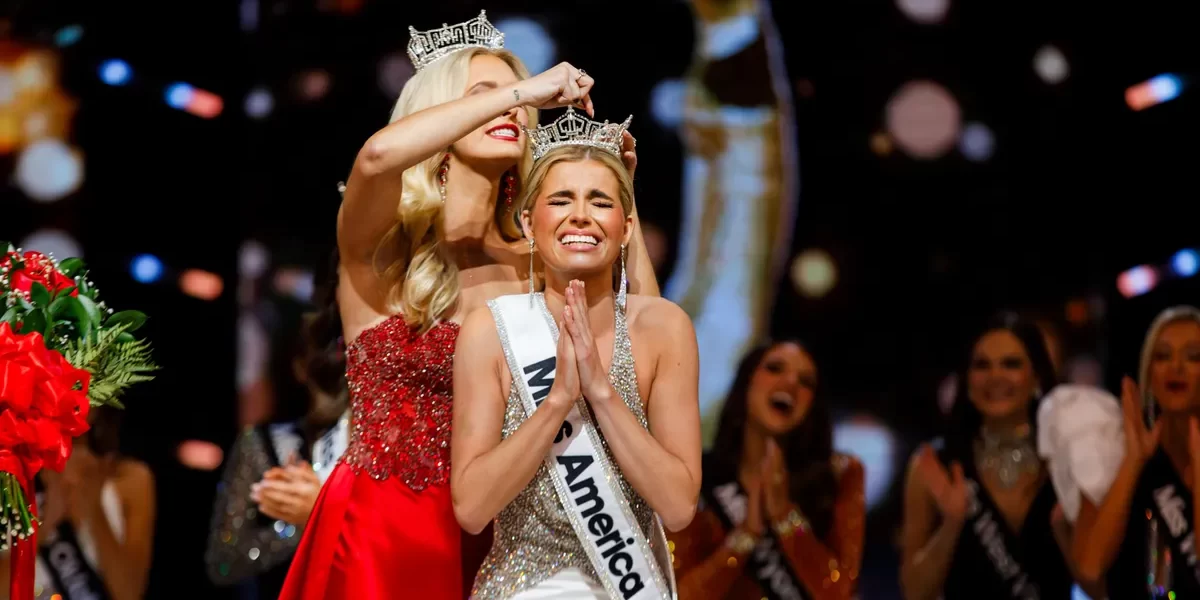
(1171, 315)
(422, 281)
(541, 168)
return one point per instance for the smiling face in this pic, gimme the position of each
(781, 389)
(576, 213)
(1001, 379)
(1175, 366)
(501, 139)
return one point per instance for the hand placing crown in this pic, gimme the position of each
(573, 129)
(426, 47)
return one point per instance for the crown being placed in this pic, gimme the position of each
(425, 47)
(573, 129)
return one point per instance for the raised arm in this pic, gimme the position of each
(662, 464)
(815, 560)
(1100, 529)
(927, 547)
(373, 191)
(125, 564)
(487, 472)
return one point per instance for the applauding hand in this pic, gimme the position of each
(948, 488)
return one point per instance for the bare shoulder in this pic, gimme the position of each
(134, 480)
(477, 336)
(653, 314)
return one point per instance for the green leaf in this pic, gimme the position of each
(125, 338)
(71, 267)
(131, 318)
(34, 321)
(66, 306)
(39, 295)
(88, 316)
(10, 316)
(5, 246)
(64, 292)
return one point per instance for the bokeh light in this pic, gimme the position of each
(923, 119)
(814, 273)
(925, 12)
(395, 70)
(667, 101)
(49, 169)
(54, 242)
(1185, 262)
(200, 455)
(977, 142)
(313, 84)
(1050, 64)
(201, 284)
(146, 268)
(874, 444)
(1137, 281)
(529, 41)
(115, 72)
(259, 103)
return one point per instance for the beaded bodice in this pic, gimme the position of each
(533, 536)
(400, 390)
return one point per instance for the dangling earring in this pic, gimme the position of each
(442, 173)
(509, 188)
(531, 251)
(622, 291)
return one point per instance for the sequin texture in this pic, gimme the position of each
(400, 390)
(533, 536)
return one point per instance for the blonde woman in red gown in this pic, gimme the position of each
(426, 235)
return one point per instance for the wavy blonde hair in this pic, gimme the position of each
(422, 281)
(574, 154)
(1169, 316)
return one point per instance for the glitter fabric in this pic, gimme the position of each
(533, 537)
(400, 388)
(241, 544)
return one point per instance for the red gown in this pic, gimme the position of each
(383, 526)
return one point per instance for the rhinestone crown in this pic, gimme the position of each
(425, 47)
(573, 129)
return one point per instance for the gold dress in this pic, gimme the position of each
(534, 539)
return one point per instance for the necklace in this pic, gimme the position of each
(1009, 455)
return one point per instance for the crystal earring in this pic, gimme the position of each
(509, 188)
(443, 171)
(622, 292)
(531, 251)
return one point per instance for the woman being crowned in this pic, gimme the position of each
(576, 421)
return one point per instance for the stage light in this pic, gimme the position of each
(1157, 90)
(201, 284)
(248, 14)
(529, 41)
(35, 72)
(925, 12)
(666, 102)
(976, 142)
(48, 170)
(1137, 281)
(259, 103)
(52, 242)
(200, 455)
(146, 268)
(1050, 64)
(193, 100)
(814, 273)
(881, 144)
(68, 35)
(394, 71)
(923, 119)
(1077, 312)
(1185, 263)
(314, 84)
(875, 445)
(115, 72)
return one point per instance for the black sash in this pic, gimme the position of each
(1171, 503)
(73, 577)
(986, 527)
(767, 563)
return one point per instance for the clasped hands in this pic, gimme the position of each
(287, 493)
(578, 370)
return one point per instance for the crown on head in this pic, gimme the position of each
(425, 47)
(573, 129)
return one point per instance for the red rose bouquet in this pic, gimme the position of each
(61, 352)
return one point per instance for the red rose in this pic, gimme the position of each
(36, 268)
(43, 401)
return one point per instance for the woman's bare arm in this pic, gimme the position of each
(662, 464)
(927, 548)
(487, 472)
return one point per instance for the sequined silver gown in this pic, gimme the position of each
(533, 538)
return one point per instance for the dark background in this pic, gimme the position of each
(1080, 187)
